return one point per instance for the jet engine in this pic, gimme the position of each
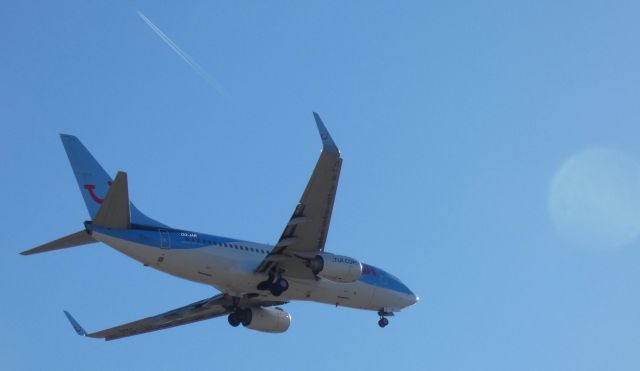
(273, 320)
(336, 268)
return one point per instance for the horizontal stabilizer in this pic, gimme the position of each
(114, 211)
(72, 240)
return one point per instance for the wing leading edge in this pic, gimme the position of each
(306, 231)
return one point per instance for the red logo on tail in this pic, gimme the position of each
(90, 188)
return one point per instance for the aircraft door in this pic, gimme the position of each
(165, 239)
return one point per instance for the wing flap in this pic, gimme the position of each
(310, 220)
(307, 229)
(216, 306)
(198, 311)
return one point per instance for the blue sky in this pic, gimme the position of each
(452, 117)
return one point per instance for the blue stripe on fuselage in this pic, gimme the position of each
(177, 239)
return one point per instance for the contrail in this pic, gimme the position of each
(185, 57)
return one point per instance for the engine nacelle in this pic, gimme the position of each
(273, 320)
(336, 268)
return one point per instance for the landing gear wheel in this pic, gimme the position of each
(282, 284)
(240, 316)
(233, 319)
(246, 316)
(278, 287)
(264, 285)
(383, 322)
(275, 290)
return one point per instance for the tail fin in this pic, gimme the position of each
(94, 182)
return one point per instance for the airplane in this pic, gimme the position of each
(253, 279)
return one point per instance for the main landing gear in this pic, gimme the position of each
(275, 284)
(383, 321)
(239, 316)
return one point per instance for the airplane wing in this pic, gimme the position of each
(306, 232)
(216, 306)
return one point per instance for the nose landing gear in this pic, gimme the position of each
(383, 321)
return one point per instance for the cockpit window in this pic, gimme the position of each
(380, 278)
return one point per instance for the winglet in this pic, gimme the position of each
(76, 326)
(327, 142)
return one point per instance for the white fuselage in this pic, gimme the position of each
(232, 271)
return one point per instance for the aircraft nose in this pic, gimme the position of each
(416, 299)
(413, 299)
(409, 299)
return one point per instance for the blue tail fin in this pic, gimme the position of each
(94, 182)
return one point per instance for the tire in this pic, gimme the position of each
(246, 317)
(275, 290)
(264, 285)
(283, 284)
(233, 319)
(383, 322)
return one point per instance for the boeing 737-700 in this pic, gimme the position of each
(253, 279)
